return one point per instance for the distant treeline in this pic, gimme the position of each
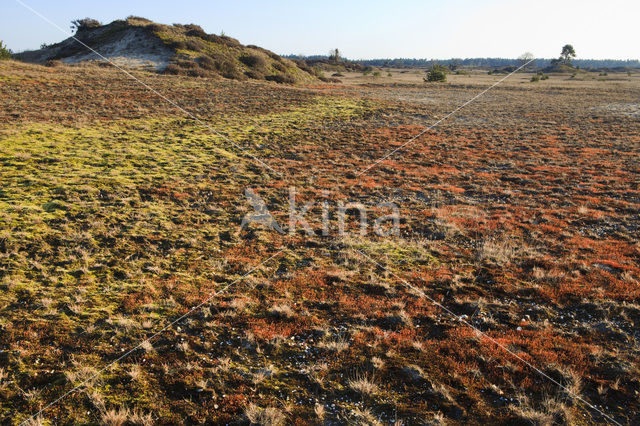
(482, 62)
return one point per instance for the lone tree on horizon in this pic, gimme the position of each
(525, 59)
(334, 55)
(568, 53)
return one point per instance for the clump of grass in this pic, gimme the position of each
(282, 311)
(269, 416)
(363, 384)
(497, 251)
(337, 344)
(122, 415)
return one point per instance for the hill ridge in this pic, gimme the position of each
(172, 49)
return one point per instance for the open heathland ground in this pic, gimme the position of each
(120, 213)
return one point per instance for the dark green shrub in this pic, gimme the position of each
(178, 45)
(190, 68)
(436, 73)
(194, 30)
(302, 64)
(173, 69)
(228, 69)
(187, 64)
(195, 44)
(207, 63)
(539, 76)
(255, 75)
(4, 52)
(254, 61)
(279, 66)
(282, 78)
(80, 25)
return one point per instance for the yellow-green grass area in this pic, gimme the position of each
(102, 221)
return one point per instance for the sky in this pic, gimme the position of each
(364, 29)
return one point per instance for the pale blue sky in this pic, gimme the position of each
(364, 29)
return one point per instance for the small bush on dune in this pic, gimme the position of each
(173, 69)
(190, 68)
(195, 44)
(282, 78)
(194, 30)
(80, 25)
(207, 63)
(256, 62)
(228, 69)
(255, 75)
(302, 64)
(280, 67)
(185, 64)
(178, 45)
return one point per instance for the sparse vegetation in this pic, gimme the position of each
(118, 216)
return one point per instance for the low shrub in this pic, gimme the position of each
(330, 79)
(539, 76)
(207, 63)
(173, 69)
(302, 64)
(280, 67)
(187, 64)
(436, 73)
(228, 69)
(80, 25)
(194, 30)
(255, 75)
(189, 68)
(254, 61)
(53, 63)
(195, 44)
(178, 45)
(282, 78)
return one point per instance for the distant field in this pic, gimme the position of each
(120, 213)
(476, 76)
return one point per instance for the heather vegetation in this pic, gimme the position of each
(118, 215)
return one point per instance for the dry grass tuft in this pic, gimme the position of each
(363, 384)
(269, 416)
